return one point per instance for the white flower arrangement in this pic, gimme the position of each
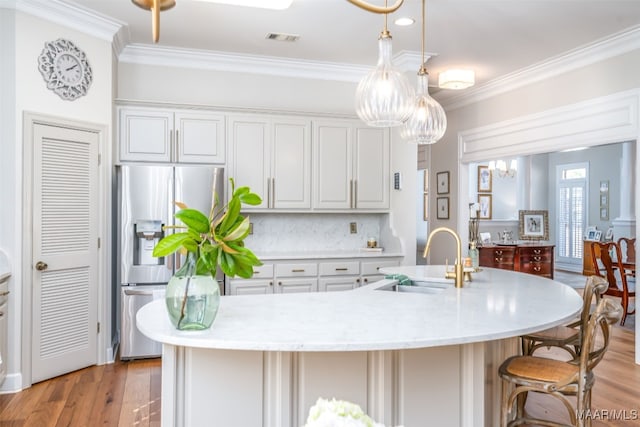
(338, 413)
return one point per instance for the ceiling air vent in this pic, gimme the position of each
(282, 37)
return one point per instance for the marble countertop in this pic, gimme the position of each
(353, 253)
(496, 304)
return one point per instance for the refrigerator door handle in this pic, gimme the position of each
(148, 292)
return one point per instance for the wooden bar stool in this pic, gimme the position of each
(522, 374)
(567, 337)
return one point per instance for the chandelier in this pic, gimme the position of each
(500, 167)
(428, 121)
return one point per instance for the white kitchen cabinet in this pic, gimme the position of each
(272, 155)
(250, 287)
(311, 275)
(166, 135)
(333, 284)
(288, 286)
(351, 166)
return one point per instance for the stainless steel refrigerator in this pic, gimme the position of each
(146, 196)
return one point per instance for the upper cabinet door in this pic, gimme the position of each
(145, 135)
(371, 168)
(291, 164)
(332, 160)
(199, 137)
(250, 146)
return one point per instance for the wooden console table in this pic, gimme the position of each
(532, 258)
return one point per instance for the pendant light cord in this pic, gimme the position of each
(423, 68)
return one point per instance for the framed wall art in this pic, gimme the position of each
(443, 182)
(484, 200)
(533, 225)
(442, 203)
(484, 179)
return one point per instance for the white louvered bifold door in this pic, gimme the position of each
(65, 243)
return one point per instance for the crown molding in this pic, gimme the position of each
(607, 47)
(226, 61)
(70, 15)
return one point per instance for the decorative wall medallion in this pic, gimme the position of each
(66, 69)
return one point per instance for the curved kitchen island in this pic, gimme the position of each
(410, 358)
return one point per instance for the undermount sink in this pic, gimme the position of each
(417, 287)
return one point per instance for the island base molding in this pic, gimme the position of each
(446, 386)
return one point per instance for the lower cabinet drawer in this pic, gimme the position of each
(339, 268)
(262, 271)
(373, 267)
(296, 269)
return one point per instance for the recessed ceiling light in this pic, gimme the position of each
(281, 37)
(263, 4)
(404, 22)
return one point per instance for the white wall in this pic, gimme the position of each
(31, 95)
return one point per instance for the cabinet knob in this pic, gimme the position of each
(366, 280)
(279, 283)
(357, 280)
(270, 283)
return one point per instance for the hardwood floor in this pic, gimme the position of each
(119, 394)
(127, 394)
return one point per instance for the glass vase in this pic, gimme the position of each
(192, 300)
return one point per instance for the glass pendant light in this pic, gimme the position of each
(384, 96)
(428, 121)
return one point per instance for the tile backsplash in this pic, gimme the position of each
(316, 232)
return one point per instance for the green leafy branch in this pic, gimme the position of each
(217, 239)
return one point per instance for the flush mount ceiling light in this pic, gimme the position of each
(383, 96)
(428, 121)
(456, 79)
(157, 6)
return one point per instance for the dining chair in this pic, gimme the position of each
(560, 379)
(628, 248)
(607, 263)
(568, 337)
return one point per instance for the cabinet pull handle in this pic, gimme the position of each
(498, 253)
(498, 259)
(268, 192)
(537, 258)
(342, 269)
(350, 193)
(298, 270)
(536, 268)
(355, 194)
(536, 251)
(273, 192)
(4, 294)
(177, 144)
(256, 272)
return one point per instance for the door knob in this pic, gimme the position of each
(41, 266)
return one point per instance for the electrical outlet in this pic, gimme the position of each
(250, 228)
(353, 227)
